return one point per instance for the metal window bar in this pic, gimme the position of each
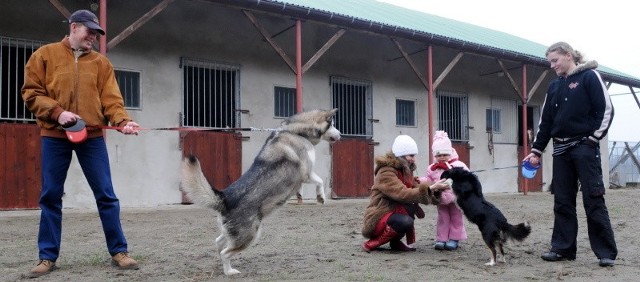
(508, 119)
(14, 54)
(129, 84)
(405, 112)
(492, 120)
(353, 99)
(211, 94)
(284, 101)
(453, 114)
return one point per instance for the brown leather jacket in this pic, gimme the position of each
(388, 191)
(57, 81)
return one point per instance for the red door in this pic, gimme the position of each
(19, 166)
(352, 168)
(462, 148)
(219, 153)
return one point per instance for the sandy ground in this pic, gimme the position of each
(315, 243)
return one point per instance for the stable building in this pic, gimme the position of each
(239, 67)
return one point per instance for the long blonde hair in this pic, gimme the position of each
(564, 48)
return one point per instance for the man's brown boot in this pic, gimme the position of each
(124, 261)
(43, 267)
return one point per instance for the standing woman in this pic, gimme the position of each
(395, 196)
(576, 115)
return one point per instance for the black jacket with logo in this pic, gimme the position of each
(577, 105)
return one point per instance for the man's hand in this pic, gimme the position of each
(131, 128)
(67, 118)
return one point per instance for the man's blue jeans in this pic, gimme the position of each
(93, 158)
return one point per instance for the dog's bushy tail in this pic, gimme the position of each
(196, 186)
(519, 231)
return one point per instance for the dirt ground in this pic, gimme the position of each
(315, 243)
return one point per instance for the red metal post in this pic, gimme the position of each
(103, 25)
(298, 66)
(430, 98)
(525, 135)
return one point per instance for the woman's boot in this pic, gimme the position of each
(384, 238)
(397, 244)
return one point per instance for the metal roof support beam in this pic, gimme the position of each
(298, 69)
(537, 85)
(283, 31)
(446, 70)
(137, 24)
(268, 38)
(410, 62)
(632, 156)
(634, 96)
(61, 8)
(629, 152)
(322, 50)
(513, 82)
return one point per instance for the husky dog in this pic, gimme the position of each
(492, 224)
(277, 173)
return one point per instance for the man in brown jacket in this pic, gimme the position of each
(395, 198)
(68, 84)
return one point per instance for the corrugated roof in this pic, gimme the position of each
(387, 15)
(390, 15)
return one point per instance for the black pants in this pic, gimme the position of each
(401, 223)
(581, 163)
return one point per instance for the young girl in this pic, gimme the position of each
(450, 226)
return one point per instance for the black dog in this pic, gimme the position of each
(493, 225)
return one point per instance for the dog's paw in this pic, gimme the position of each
(320, 199)
(231, 271)
(490, 263)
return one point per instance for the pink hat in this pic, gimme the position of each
(441, 144)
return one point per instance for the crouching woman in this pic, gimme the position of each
(395, 197)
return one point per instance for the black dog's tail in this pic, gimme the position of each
(519, 231)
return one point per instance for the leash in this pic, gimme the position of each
(220, 129)
(497, 168)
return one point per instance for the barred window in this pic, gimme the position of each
(353, 100)
(129, 83)
(502, 120)
(211, 94)
(493, 120)
(284, 99)
(14, 54)
(453, 114)
(405, 112)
